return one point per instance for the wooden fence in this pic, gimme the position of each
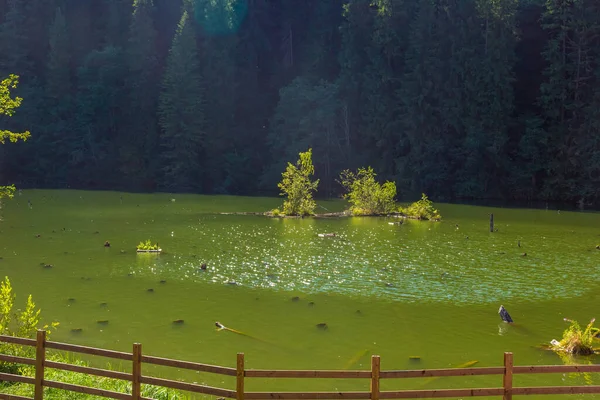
(374, 375)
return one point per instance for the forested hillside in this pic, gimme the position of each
(456, 98)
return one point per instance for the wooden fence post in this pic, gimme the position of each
(136, 387)
(240, 372)
(40, 359)
(508, 375)
(375, 368)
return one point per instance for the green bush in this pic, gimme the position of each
(367, 196)
(298, 187)
(422, 209)
(576, 340)
(23, 323)
(147, 245)
(75, 378)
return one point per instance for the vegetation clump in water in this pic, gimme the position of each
(575, 340)
(298, 187)
(422, 209)
(367, 196)
(148, 246)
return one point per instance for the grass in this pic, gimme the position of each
(75, 378)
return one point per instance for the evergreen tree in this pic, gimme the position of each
(39, 15)
(58, 76)
(53, 138)
(424, 162)
(306, 116)
(117, 22)
(138, 144)
(218, 21)
(13, 41)
(181, 111)
(98, 122)
(572, 56)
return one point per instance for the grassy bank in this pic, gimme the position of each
(115, 385)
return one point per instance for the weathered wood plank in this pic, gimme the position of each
(239, 381)
(266, 373)
(308, 395)
(190, 387)
(89, 350)
(13, 397)
(375, 370)
(555, 369)
(17, 360)
(420, 373)
(421, 394)
(556, 390)
(40, 358)
(167, 362)
(16, 378)
(136, 387)
(89, 370)
(17, 340)
(87, 390)
(507, 380)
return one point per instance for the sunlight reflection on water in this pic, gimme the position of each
(415, 262)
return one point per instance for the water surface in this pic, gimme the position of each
(417, 289)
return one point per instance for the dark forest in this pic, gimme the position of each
(460, 99)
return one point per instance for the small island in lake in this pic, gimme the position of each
(148, 247)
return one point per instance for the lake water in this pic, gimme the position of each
(419, 289)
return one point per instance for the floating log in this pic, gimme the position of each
(77, 330)
(102, 322)
(221, 327)
(327, 235)
(356, 358)
(150, 290)
(178, 322)
(322, 325)
(295, 298)
(505, 315)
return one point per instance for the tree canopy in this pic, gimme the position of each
(489, 99)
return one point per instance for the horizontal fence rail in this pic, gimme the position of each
(374, 376)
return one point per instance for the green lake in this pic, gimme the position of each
(419, 289)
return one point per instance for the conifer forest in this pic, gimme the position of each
(459, 99)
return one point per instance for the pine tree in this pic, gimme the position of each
(139, 143)
(39, 15)
(117, 21)
(218, 21)
(98, 123)
(181, 111)
(58, 79)
(424, 158)
(572, 55)
(13, 41)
